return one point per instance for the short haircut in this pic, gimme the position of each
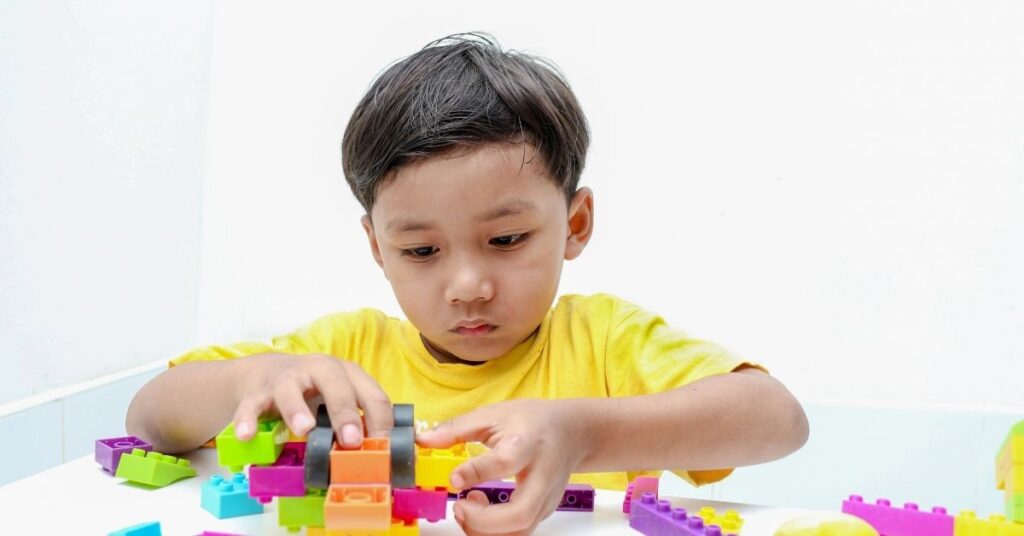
(460, 91)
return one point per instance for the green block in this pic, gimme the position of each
(1015, 507)
(153, 468)
(297, 512)
(262, 449)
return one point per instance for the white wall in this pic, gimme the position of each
(102, 147)
(833, 189)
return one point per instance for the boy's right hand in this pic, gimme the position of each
(282, 383)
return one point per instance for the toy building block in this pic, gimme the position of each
(404, 528)
(653, 517)
(358, 507)
(434, 466)
(368, 464)
(1009, 458)
(262, 449)
(142, 529)
(906, 521)
(293, 513)
(730, 521)
(413, 504)
(109, 451)
(576, 498)
(403, 455)
(286, 478)
(1015, 507)
(826, 524)
(153, 468)
(967, 523)
(637, 488)
(229, 498)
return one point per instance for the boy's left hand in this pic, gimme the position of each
(540, 442)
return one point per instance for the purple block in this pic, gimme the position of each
(283, 479)
(906, 521)
(657, 518)
(109, 451)
(497, 491)
(577, 497)
(409, 504)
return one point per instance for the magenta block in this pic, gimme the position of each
(409, 504)
(657, 518)
(283, 479)
(109, 451)
(639, 486)
(906, 521)
(577, 497)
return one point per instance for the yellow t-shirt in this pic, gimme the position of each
(587, 346)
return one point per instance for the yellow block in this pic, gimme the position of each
(730, 522)
(1011, 478)
(826, 525)
(1011, 453)
(968, 524)
(434, 466)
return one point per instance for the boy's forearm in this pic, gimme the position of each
(185, 406)
(722, 421)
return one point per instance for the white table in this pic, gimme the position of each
(80, 498)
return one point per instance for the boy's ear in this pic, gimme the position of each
(581, 222)
(374, 246)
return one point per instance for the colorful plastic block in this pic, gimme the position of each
(1015, 507)
(262, 449)
(906, 521)
(142, 529)
(826, 524)
(413, 504)
(364, 507)
(434, 466)
(294, 513)
(153, 468)
(576, 498)
(1009, 459)
(229, 498)
(404, 528)
(283, 479)
(637, 488)
(109, 451)
(967, 523)
(730, 521)
(653, 517)
(369, 464)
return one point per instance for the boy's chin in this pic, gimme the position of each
(470, 353)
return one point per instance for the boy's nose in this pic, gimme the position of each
(469, 284)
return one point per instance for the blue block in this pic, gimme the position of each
(229, 498)
(142, 529)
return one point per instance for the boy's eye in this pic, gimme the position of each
(508, 240)
(421, 252)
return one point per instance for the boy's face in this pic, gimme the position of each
(472, 242)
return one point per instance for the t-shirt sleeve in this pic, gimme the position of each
(646, 356)
(335, 334)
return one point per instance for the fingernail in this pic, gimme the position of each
(350, 434)
(457, 481)
(301, 422)
(242, 429)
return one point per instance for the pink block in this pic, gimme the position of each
(283, 479)
(906, 521)
(409, 504)
(637, 488)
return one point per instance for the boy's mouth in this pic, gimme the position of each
(474, 328)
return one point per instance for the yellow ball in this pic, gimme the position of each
(826, 525)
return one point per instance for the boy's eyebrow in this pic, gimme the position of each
(512, 208)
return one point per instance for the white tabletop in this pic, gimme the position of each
(80, 498)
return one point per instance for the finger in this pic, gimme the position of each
(473, 426)
(340, 399)
(507, 458)
(377, 408)
(291, 404)
(247, 415)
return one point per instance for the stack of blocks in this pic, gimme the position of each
(1010, 472)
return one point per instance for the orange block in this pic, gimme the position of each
(358, 507)
(369, 464)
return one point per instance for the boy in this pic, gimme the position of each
(466, 159)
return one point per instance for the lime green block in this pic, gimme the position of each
(297, 512)
(1015, 507)
(153, 468)
(262, 449)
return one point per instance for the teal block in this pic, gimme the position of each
(229, 498)
(142, 529)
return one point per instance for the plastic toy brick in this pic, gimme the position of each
(294, 513)
(404, 528)
(262, 449)
(497, 491)
(413, 504)
(229, 498)
(153, 468)
(142, 529)
(403, 456)
(283, 479)
(1011, 454)
(730, 521)
(577, 497)
(369, 464)
(653, 517)
(109, 451)
(1015, 507)
(826, 524)
(967, 523)
(362, 507)
(906, 521)
(637, 488)
(434, 466)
